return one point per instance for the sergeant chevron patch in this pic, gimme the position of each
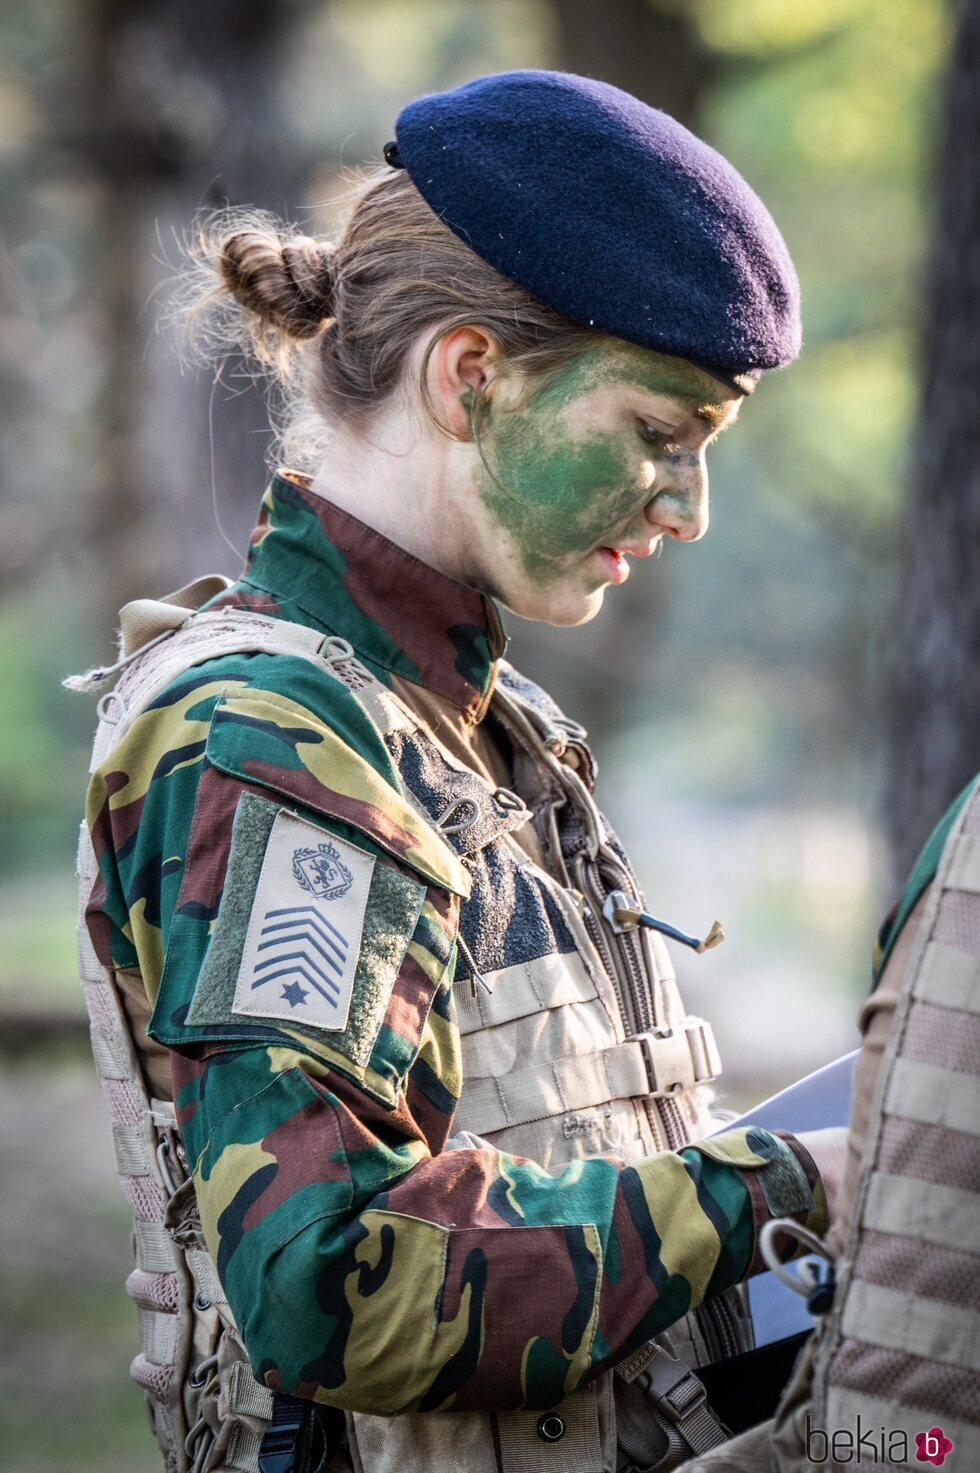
(304, 934)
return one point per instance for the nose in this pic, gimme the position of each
(680, 508)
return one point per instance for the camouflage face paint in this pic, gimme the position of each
(570, 464)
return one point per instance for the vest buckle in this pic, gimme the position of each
(681, 1057)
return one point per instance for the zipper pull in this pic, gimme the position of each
(475, 974)
(624, 914)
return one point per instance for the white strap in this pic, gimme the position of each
(129, 1144)
(242, 1453)
(912, 1325)
(145, 619)
(154, 1248)
(246, 1396)
(916, 1209)
(963, 872)
(90, 969)
(949, 978)
(933, 1095)
(205, 1275)
(110, 1054)
(544, 1091)
(525, 989)
(158, 1334)
(145, 622)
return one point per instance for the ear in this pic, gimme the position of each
(461, 366)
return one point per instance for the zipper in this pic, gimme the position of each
(591, 910)
(626, 966)
(619, 952)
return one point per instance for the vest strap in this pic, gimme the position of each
(277, 1452)
(964, 865)
(932, 1095)
(145, 619)
(680, 1396)
(949, 978)
(913, 1325)
(926, 1210)
(646, 1064)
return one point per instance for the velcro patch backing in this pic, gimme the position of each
(311, 933)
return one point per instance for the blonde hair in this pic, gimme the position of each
(330, 325)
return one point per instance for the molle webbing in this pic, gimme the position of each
(142, 1132)
(902, 1348)
(191, 1353)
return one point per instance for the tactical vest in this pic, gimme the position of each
(575, 1042)
(901, 1349)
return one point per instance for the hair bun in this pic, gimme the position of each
(290, 284)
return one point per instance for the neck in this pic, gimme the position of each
(402, 480)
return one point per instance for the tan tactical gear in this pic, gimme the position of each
(902, 1346)
(593, 1055)
(897, 1356)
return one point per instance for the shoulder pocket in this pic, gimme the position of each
(338, 910)
(281, 745)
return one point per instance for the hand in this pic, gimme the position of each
(828, 1148)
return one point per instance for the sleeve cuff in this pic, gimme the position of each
(781, 1179)
(818, 1217)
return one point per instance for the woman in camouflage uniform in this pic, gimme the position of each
(434, 1082)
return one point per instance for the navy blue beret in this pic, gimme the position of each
(609, 211)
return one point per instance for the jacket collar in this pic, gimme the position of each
(317, 562)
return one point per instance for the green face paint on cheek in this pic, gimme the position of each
(556, 490)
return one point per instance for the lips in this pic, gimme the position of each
(614, 558)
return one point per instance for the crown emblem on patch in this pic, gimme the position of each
(322, 872)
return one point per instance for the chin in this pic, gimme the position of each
(563, 607)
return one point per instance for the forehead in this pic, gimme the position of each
(648, 376)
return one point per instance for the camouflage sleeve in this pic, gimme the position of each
(296, 924)
(371, 1271)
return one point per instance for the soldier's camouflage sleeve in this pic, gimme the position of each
(295, 922)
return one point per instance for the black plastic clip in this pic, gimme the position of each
(277, 1452)
(821, 1295)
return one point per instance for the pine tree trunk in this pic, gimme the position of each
(934, 706)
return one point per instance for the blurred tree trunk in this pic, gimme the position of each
(934, 706)
(183, 108)
(653, 49)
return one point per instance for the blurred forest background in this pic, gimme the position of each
(781, 712)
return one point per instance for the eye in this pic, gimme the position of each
(658, 438)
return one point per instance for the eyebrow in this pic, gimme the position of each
(714, 414)
(718, 416)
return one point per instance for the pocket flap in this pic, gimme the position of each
(282, 746)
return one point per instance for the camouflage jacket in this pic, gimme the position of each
(295, 919)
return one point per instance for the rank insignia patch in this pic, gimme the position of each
(304, 933)
(322, 871)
